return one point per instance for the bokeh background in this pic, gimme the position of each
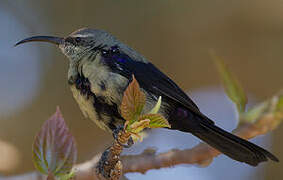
(174, 35)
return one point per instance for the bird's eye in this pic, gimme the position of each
(78, 39)
(104, 52)
(114, 49)
(73, 40)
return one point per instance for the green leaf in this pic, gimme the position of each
(269, 112)
(156, 120)
(54, 149)
(138, 126)
(133, 102)
(232, 86)
(254, 113)
(67, 176)
(279, 105)
(156, 108)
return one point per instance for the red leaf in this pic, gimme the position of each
(133, 101)
(54, 149)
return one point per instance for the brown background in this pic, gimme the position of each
(174, 35)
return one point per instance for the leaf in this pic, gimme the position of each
(156, 108)
(232, 86)
(138, 126)
(279, 105)
(254, 113)
(268, 114)
(139, 136)
(133, 101)
(54, 149)
(68, 176)
(156, 120)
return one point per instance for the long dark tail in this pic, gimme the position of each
(229, 144)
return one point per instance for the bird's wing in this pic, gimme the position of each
(150, 79)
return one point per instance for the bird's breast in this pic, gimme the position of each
(85, 103)
(98, 94)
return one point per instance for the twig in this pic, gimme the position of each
(201, 154)
(110, 166)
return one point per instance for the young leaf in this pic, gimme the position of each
(254, 113)
(54, 149)
(133, 101)
(156, 120)
(68, 176)
(232, 86)
(138, 126)
(156, 108)
(279, 106)
(269, 111)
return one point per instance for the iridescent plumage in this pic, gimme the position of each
(101, 67)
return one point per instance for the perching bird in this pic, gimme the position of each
(101, 68)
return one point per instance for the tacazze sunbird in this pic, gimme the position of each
(100, 69)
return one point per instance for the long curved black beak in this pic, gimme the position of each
(50, 39)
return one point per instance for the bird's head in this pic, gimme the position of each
(79, 43)
(84, 42)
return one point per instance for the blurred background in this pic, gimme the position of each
(176, 36)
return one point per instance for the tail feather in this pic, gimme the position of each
(231, 145)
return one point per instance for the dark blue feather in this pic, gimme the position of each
(150, 79)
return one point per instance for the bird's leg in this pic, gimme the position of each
(116, 132)
(110, 165)
(100, 168)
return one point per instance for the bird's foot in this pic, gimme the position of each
(100, 168)
(116, 137)
(109, 166)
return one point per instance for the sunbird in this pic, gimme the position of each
(100, 69)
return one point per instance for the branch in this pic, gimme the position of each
(259, 120)
(201, 154)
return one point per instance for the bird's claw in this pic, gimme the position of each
(100, 168)
(129, 143)
(116, 137)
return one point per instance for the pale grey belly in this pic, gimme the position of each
(86, 106)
